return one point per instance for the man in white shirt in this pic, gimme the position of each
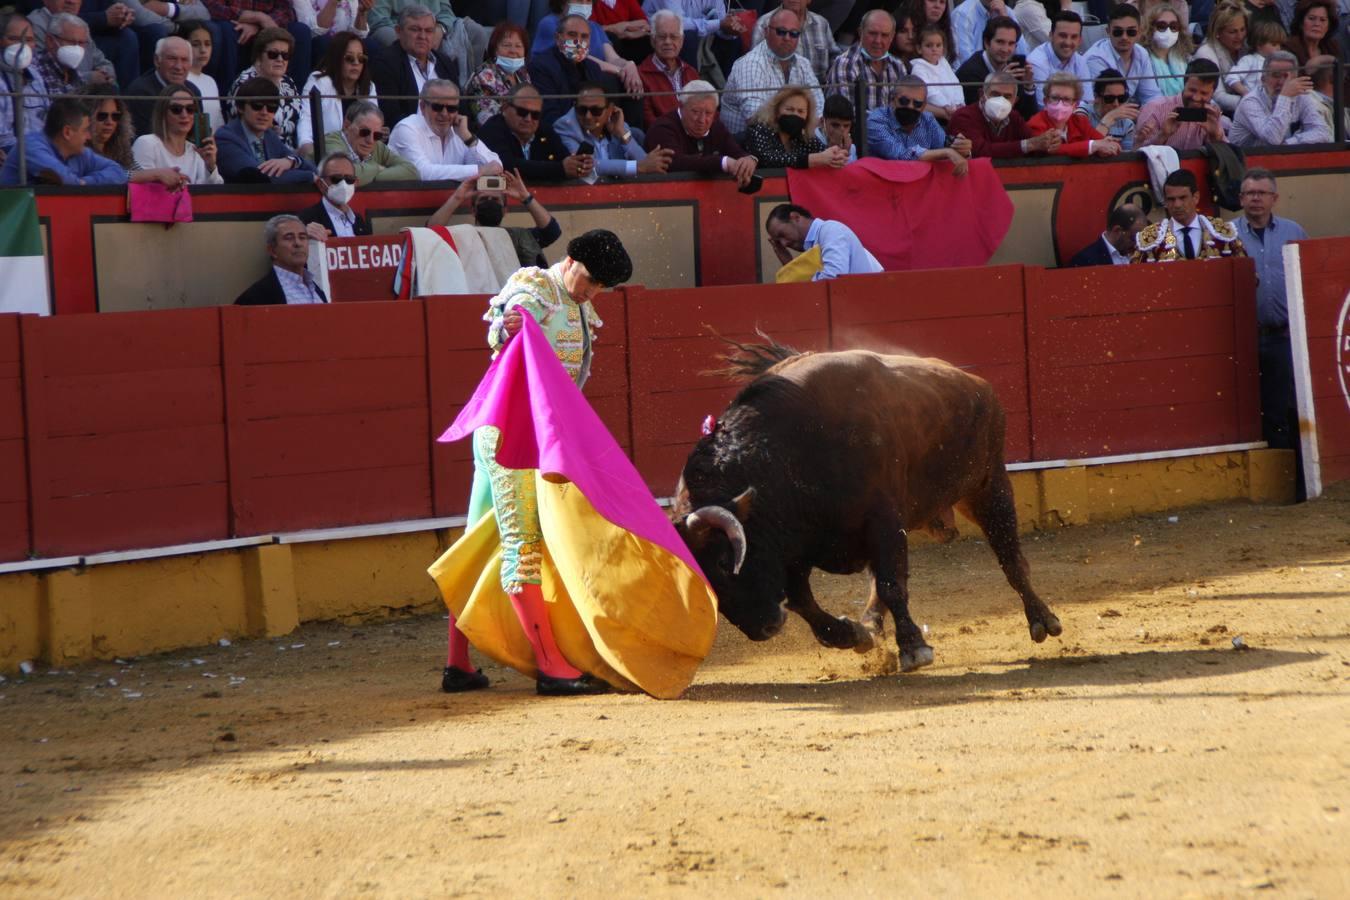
(437, 139)
(1282, 110)
(768, 67)
(791, 227)
(1120, 50)
(1060, 54)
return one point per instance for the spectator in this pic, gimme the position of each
(289, 281)
(342, 78)
(994, 127)
(1323, 72)
(17, 44)
(1111, 113)
(1184, 234)
(664, 72)
(1120, 50)
(782, 135)
(1033, 17)
(330, 18)
(791, 227)
(702, 18)
(1245, 76)
(1060, 52)
(1225, 44)
(110, 30)
(1313, 31)
(772, 64)
(135, 27)
(459, 39)
(869, 61)
(1116, 243)
(562, 68)
(626, 26)
(1259, 11)
(1170, 47)
(600, 51)
(109, 125)
(1001, 35)
(907, 26)
(360, 137)
(969, 20)
(489, 208)
(173, 65)
(817, 39)
(169, 147)
(701, 142)
(68, 61)
(498, 76)
(836, 125)
(1282, 111)
(1263, 236)
(238, 24)
(333, 215)
(944, 90)
(249, 149)
(198, 36)
(1160, 117)
(59, 153)
(525, 144)
(438, 141)
(1077, 137)
(617, 147)
(905, 131)
(938, 12)
(403, 69)
(271, 51)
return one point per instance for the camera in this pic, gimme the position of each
(490, 183)
(1192, 114)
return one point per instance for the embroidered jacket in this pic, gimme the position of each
(570, 326)
(1159, 243)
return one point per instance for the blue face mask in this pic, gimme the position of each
(510, 64)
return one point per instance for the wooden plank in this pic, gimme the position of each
(862, 302)
(319, 387)
(1125, 385)
(732, 310)
(330, 499)
(1140, 336)
(11, 350)
(14, 545)
(1106, 432)
(345, 442)
(993, 339)
(134, 401)
(112, 462)
(40, 522)
(332, 331)
(1111, 291)
(154, 517)
(1246, 392)
(131, 342)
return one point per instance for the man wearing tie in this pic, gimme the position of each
(1184, 234)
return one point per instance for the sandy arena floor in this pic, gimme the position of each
(1141, 754)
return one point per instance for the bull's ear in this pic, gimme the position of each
(741, 505)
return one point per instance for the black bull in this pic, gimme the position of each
(824, 461)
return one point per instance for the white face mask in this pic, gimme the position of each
(70, 56)
(341, 193)
(997, 108)
(1165, 40)
(18, 57)
(579, 9)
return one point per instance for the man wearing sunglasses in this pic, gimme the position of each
(403, 69)
(361, 139)
(333, 215)
(173, 65)
(1120, 50)
(437, 140)
(817, 40)
(524, 143)
(567, 65)
(616, 146)
(904, 131)
(249, 150)
(766, 69)
(1111, 113)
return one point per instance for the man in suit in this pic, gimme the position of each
(523, 143)
(1114, 246)
(333, 215)
(248, 149)
(173, 65)
(404, 67)
(289, 281)
(1001, 35)
(567, 66)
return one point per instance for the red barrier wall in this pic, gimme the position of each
(15, 538)
(1325, 269)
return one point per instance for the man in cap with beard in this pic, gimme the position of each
(489, 208)
(559, 299)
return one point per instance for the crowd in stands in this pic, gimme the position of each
(219, 91)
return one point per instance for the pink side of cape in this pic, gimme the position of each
(547, 425)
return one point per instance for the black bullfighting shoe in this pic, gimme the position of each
(456, 681)
(548, 686)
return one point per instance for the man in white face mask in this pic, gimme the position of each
(63, 62)
(94, 67)
(994, 128)
(17, 44)
(333, 215)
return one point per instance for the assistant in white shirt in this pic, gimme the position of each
(437, 158)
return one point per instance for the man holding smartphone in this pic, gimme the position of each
(437, 140)
(1001, 37)
(1189, 120)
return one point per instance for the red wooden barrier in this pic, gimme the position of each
(126, 430)
(972, 318)
(328, 415)
(1323, 277)
(15, 538)
(1124, 361)
(362, 268)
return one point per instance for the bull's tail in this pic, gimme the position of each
(749, 361)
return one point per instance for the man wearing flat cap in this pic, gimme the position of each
(559, 298)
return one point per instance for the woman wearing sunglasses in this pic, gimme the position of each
(110, 137)
(342, 78)
(272, 50)
(360, 140)
(170, 145)
(1169, 47)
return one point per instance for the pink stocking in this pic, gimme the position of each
(459, 649)
(533, 614)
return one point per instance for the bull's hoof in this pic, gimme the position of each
(1047, 626)
(866, 640)
(916, 658)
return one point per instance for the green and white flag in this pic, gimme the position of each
(23, 268)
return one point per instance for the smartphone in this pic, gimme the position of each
(756, 182)
(586, 149)
(1018, 59)
(201, 128)
(490, 183)
(1192, 114)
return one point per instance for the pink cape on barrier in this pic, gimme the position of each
(547, 424)
(911, 215)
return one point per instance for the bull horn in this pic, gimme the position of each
(721, 519)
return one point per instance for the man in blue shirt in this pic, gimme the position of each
(1121, 50)
(904, 131)
(792, 227)
(1264, 236)
(60, 153)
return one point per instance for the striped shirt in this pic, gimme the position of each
(854, 66)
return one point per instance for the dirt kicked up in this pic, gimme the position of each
(1141, 754)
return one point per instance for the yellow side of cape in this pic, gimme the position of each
(803, 268)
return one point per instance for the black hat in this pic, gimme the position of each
(601, 252)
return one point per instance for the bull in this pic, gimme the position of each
(826, 461)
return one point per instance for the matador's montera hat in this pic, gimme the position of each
(602, 253)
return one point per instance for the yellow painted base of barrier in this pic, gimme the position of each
(67, 616)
